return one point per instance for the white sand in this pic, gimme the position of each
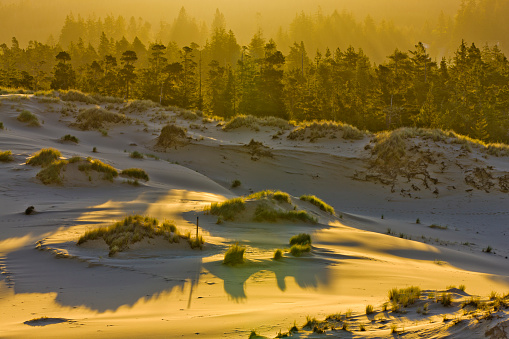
(164, 291)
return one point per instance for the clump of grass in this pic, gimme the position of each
(139, 105)
(51, 173)
(394, 328)
(252, 334)
(493, 295)
(136, 155)
(474, 302)
(446, 299)
(44, 157)
(265, 212)
(236, 183)
(278, 254)
(404, 296)
(439, 227)
(131, 229)
(29, 118)
(271, 194)
(254, 123)
(300, 239)
(297, 250)
(70, 138)
(6, 156)
(229, 209)
(369, 309)
(487, 249)
(171, 135)
(98, 166)
(234, 255)
(362, 327)
(136, 173)
(196, 242)
(462, 287)
(321, 129)
(73, 95)
(96, 118)
(318, 202)
(310, 322)
(106, 99)
(189, 115)
(418, 221)
(1, 125)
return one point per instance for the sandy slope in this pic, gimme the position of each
(173, 291)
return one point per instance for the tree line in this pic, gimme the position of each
(468, 93)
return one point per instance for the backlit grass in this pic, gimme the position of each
(234, 255)
(136, 173)
(404, 296)
(130, 230)
(229, 209)
(44, 157)
(318, 202)
(6, 156)
(96, 165)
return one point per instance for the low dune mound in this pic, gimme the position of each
(97, 118)
(255, 123)
(264, 206)
(44, 157)
(415, 159)
(172, 136)
(73, 95)
(77, 171)
(29, 118)
(138, 106)
(135, 229)
(325, 129)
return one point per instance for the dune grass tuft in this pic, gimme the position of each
(136, 173)
(70, 138)
(228, 209)
(369, 309)
(29, 118)
(73, 95)
(276, 195)
(44, 157)
(51, 173)
(96, 118)
(254, 123)
(404, 296)
(320, 129)
(131, 229)
(300, 239)
(265, 212)
(96, 165)
(6, 156)
(318, 202)
(1, 125)
(297, 250)
(278, 254)
(234, 255)
(139, 105)
(136, 155)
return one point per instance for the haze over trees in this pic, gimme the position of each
(322, 66)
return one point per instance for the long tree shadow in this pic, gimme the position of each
(308, 272)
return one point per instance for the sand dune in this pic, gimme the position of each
(49, 287)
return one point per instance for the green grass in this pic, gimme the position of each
(136, 155)
(234, 255)
(276, 195)
(98, 166)
(70, 138)
(95, 118)
(229, 209)
(318, 202)
(51, 173)
(278, 254)
(404, 296)
(44, 157)
(300, 239)
(130, 230)
(297, 250)
(136, 173)
(6, 156)
(29, 118)
(265, 212)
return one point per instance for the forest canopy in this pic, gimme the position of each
(324, 66)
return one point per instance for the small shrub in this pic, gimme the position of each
(70, 138)
(297, 250)
(136, 173)
(6, 156)
(278, 254)
(318, 202)
(300, 239)
(236, 183)
(29, 118)
(136, 155)
(44, 157)
(418, 221)
(171, 135)
(487, 249)
(234, 255)
(94, 150)
(369, 309)
(446, 299)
